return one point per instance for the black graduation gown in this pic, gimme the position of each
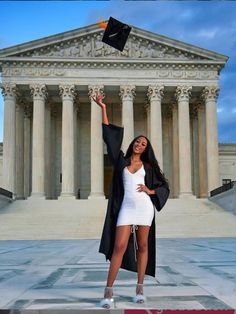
(113, 136)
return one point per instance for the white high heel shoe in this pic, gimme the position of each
(107, 303)
(139, 298)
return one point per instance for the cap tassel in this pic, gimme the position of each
(102, 24)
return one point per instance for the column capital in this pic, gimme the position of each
(67, 91)
(127, 92)
(94, 89)
(183, 92)
(9, 90)
(38, 91)
(155, 92)
(210, 93)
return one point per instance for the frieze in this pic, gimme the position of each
(161, 71)
(11, 71)
(90, 46)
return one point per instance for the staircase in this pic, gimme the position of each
(39, 219)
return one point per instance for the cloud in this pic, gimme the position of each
(206, 24)
(208, 34)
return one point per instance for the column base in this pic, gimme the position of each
(94, 195)
(37, 195)
(19, 198)
(187, 195)
(67, 196)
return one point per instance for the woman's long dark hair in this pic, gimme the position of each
(147, 156)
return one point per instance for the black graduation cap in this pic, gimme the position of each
(116, 34)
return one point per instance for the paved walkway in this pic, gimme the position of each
(194, 273)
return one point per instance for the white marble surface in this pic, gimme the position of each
(194, 273)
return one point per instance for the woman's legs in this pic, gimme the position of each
(121, 241)
(142, 256)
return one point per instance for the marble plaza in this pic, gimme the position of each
(70, 275)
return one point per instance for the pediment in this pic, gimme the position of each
(86, 43)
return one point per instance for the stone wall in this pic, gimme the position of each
(227, 160)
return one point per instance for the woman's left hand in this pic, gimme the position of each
(143, 188)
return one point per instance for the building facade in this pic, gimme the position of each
(159, 87)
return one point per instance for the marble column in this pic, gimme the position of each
(202, 169)
(20, 149)
(175, 150)
(39, 95)
(67, 93)
(210, 94)
(48, 146)
(76, 148)
(147, 111)
(155, 95)
(127, 94)
(9, 137)
(194, 147)
(54, 155)
(185, 177)
(97, 154)
(28, 111)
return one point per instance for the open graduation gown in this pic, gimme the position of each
(113, 136)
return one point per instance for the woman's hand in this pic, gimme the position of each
(144, 188)
(98, 99)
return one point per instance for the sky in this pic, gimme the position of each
(207, 24)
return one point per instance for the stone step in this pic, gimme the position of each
(81, 219)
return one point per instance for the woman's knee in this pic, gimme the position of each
(120, 247)
(142, 247)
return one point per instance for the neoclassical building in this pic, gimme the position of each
(159, 87)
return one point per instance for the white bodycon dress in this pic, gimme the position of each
(137, 207)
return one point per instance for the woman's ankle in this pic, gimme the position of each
(139, 288)
(108, 292)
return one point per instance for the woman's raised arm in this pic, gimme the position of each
(99, 100)
(112, 134)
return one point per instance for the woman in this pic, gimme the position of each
(138, 187)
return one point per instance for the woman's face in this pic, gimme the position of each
(140, 145)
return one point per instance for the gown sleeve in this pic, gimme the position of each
(112, 136)
(162, 192)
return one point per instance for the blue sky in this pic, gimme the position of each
(207, 24)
